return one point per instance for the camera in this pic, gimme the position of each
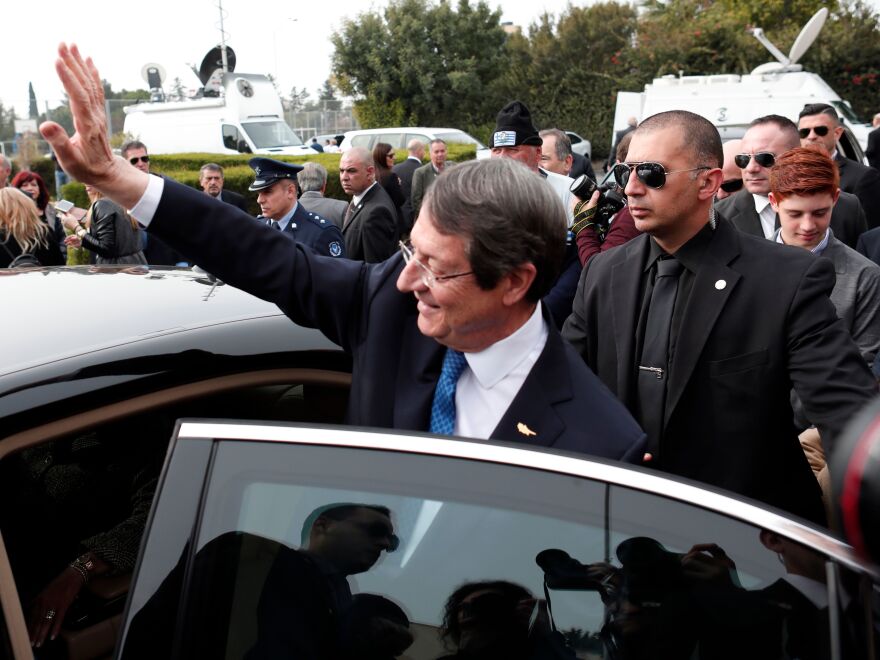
(611, 199)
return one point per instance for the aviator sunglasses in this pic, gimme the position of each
(763, 158)
(134, 161)
(821, 131)
(651, 174)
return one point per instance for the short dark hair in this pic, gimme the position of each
(623, 147)
(132, 144)
(784, 124)
(337, 511)
(210, 167)
(702, 136)
(449, 627)
(811, 109)
(436, 140)
(563, 142)
(508, 216)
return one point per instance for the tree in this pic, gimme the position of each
(298, 98)
(33, 113)
(327, 96)
(427, 63)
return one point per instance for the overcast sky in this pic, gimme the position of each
(287, 39)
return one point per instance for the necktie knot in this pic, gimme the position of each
(443, 408)
(670, 267)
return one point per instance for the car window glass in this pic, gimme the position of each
(280, 565)
(573, 137)
(421, 137)
(361, 141)
(394, 139)
(232, 139)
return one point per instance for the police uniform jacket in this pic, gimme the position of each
(318, 233)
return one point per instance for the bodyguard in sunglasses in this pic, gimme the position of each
(702, 330)
(818, 124)
(766, 139)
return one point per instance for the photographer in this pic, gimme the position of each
(621, 229)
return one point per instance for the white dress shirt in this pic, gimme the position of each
(495, 375)
(767, 215)
(356, 199)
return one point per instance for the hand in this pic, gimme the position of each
(87, 156)
(57, 597)
(73, 241)
(577, 205)
(68, 221)
(708, 562)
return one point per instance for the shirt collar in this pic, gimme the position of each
(285, 219)
(356, 199)
(690, 255)
(761, 202)
(493, 364)
(818, 249)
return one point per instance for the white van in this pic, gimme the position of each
(246, 117)
(399, 136)
(732, 101)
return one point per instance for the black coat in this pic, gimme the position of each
(869, 245)
(235, 199)
(111, 235)
(395, 366)
(863, 182)
(847, 218)
(48, 254)
(758, 321)
(371, 230)
(404, 172)
(873, 150)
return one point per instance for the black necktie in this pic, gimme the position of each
(654, 362)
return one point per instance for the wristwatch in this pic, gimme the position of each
(84, 565)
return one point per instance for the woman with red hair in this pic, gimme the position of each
(33, 186)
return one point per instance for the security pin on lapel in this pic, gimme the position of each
(525, 430)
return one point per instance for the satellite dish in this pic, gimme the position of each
(213, 61)
(153, 74)
(808, 35)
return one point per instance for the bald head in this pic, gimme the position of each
(732, 174)
(357, 171)
(697, 134)
(416, 148)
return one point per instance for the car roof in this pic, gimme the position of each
(54, 313)
(402, 129)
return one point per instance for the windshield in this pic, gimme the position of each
(847, 112)
(460, 137)
(272, 133)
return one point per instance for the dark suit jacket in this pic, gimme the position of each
(873, 150)
(235, 199)
(395, 366)
(869, 245)
(863, 182)
(758, 321)
(404, 171)
(847, 219)
(371, 230)
(580, 165)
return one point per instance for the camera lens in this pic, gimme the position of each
(583, 187)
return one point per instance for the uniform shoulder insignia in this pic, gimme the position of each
(323, 223)
(335, 249)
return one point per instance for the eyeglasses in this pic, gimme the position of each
(143, 159)
(821, 131)
(762, 158)
(732, 185)
(651, 174)
(429, 277)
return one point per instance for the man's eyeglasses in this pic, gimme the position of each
(429, 277)
(821, 131)
(651, 174)
(732, 185)
(143, 159)
(762, 158)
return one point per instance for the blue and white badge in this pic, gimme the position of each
(504, 139)
(335, 249)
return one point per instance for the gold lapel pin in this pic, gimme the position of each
(525, 430)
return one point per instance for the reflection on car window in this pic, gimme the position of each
(374, 555)
(268, 134)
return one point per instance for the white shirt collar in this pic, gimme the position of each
(356, 199)
(493, 364)
(761, 202)
(818, 249)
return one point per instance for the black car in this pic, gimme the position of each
(269, 531)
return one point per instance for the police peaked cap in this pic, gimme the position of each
(269, 172)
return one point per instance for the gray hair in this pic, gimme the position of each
(508, 215)
(563, 142)
(702, 136)
(312, 177)
(132, 144)
(437, 141)
(210, 167)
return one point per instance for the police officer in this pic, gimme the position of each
(275, 185)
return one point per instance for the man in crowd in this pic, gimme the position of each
(314, 144)
(211, 180)
(425, 175)
(873, 150)
(749, 210)
(370, 225)
(733, 180)
(701, 330)
(313, 183)
(5, 171)
(448, 336)
(135, 152)
(275, 185)
(818, 124)
(415, 151)
(557, 156)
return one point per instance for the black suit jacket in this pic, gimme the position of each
(235, 199)
(371, 231)
(404, 172)
(847, 218)
(869, 245)
(863, 182)
(580, 165)
(395, 366)
(873, 150)
(758, 321)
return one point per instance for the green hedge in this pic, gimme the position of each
(238, 175)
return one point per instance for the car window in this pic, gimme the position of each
(421, 137)
(459, 137)
(313, 552)
(574, 137)
(232, 139)
(394, 139)
(362, 141)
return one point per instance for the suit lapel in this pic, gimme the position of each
(531, 418)
(625, 308)
(416, 378)
(748, 219)
(713, 284)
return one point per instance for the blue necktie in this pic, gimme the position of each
(443, 409)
